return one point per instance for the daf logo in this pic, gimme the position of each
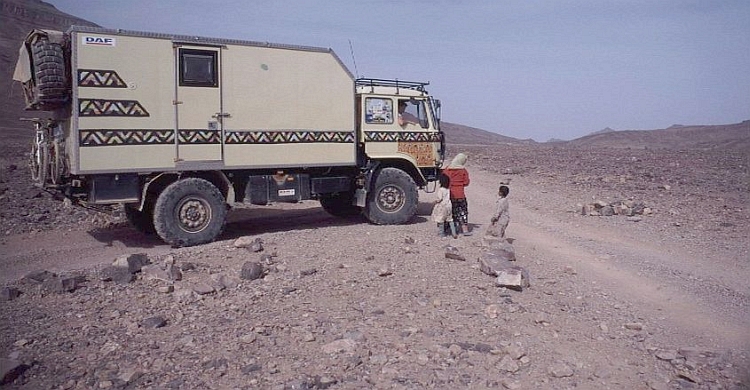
(98, 41)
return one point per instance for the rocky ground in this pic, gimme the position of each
(647, 301)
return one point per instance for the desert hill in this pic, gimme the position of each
(731, 136)
(460, 134)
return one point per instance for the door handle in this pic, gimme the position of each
(220, 115)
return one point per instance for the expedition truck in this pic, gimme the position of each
(178, 129)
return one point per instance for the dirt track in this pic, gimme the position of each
(612, 303)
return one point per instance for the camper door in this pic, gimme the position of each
(198, 105)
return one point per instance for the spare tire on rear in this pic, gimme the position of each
(49, 86)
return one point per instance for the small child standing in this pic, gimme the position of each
(501, 217)
(442, 212)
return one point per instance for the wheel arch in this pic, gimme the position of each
(154, 186)
(404, 165)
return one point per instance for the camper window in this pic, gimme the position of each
(198, 68)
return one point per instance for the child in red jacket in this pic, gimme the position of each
(459, 178)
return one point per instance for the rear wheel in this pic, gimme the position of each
(190, 212)
(340, 204)
(393, 199)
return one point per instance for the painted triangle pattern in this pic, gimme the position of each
(125, 137)
(288, 137)
(106, 107)
(100, 79)
(199, 137)
(402, 136)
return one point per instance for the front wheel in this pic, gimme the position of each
(393, 199)
(189, 212)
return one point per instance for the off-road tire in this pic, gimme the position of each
(393, 198)
(340, 205)
(189, 212)
(50, 87)
(143, 221)
(58, 163)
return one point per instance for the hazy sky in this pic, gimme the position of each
(521, 68)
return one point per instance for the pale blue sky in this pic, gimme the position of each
(521, 68)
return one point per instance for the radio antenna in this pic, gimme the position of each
(351, 49)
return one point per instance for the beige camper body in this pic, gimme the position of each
(180, 103)
(176, 128)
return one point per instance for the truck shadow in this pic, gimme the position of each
(249, 221)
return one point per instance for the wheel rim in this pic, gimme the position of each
(391, 199)
(193, 214)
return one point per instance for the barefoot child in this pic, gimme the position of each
(501, 218)
(442, 212)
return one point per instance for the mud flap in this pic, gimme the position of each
(360, 197)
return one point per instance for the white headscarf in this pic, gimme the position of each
(459, 161)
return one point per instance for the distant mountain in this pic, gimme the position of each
(602, 131)
(17, 19)
(456, 134)
(731, 136)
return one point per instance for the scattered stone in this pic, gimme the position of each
(187, 266)
(634, 326)
(308, 272)
(166, 273)
(61, 285)
(203, 289)
(409, 241)
(9, 293)
(451, 252)
(224, 281)
(10, 370)
(560, 370)
(252, 244)
(666, 355)
(503, 250)
(339, 346)
(248, 338)
(119, 275)
(251, 271)
(153, 322)
(165, 289)
(508, 364)
(133, 262)
(39, 276)
(385, 272)
(246, 241)
(514, 278)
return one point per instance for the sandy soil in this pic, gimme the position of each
(613, 304)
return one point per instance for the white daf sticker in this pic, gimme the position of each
(286, 192)
(98, 41)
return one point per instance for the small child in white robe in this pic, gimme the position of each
(442, 212)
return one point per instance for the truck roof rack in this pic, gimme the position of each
(415, 85)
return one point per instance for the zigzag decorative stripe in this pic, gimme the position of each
(100, 79)
(106, 107)
(405, 136)
(125, 137)
(199, 137)
(288, 137)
